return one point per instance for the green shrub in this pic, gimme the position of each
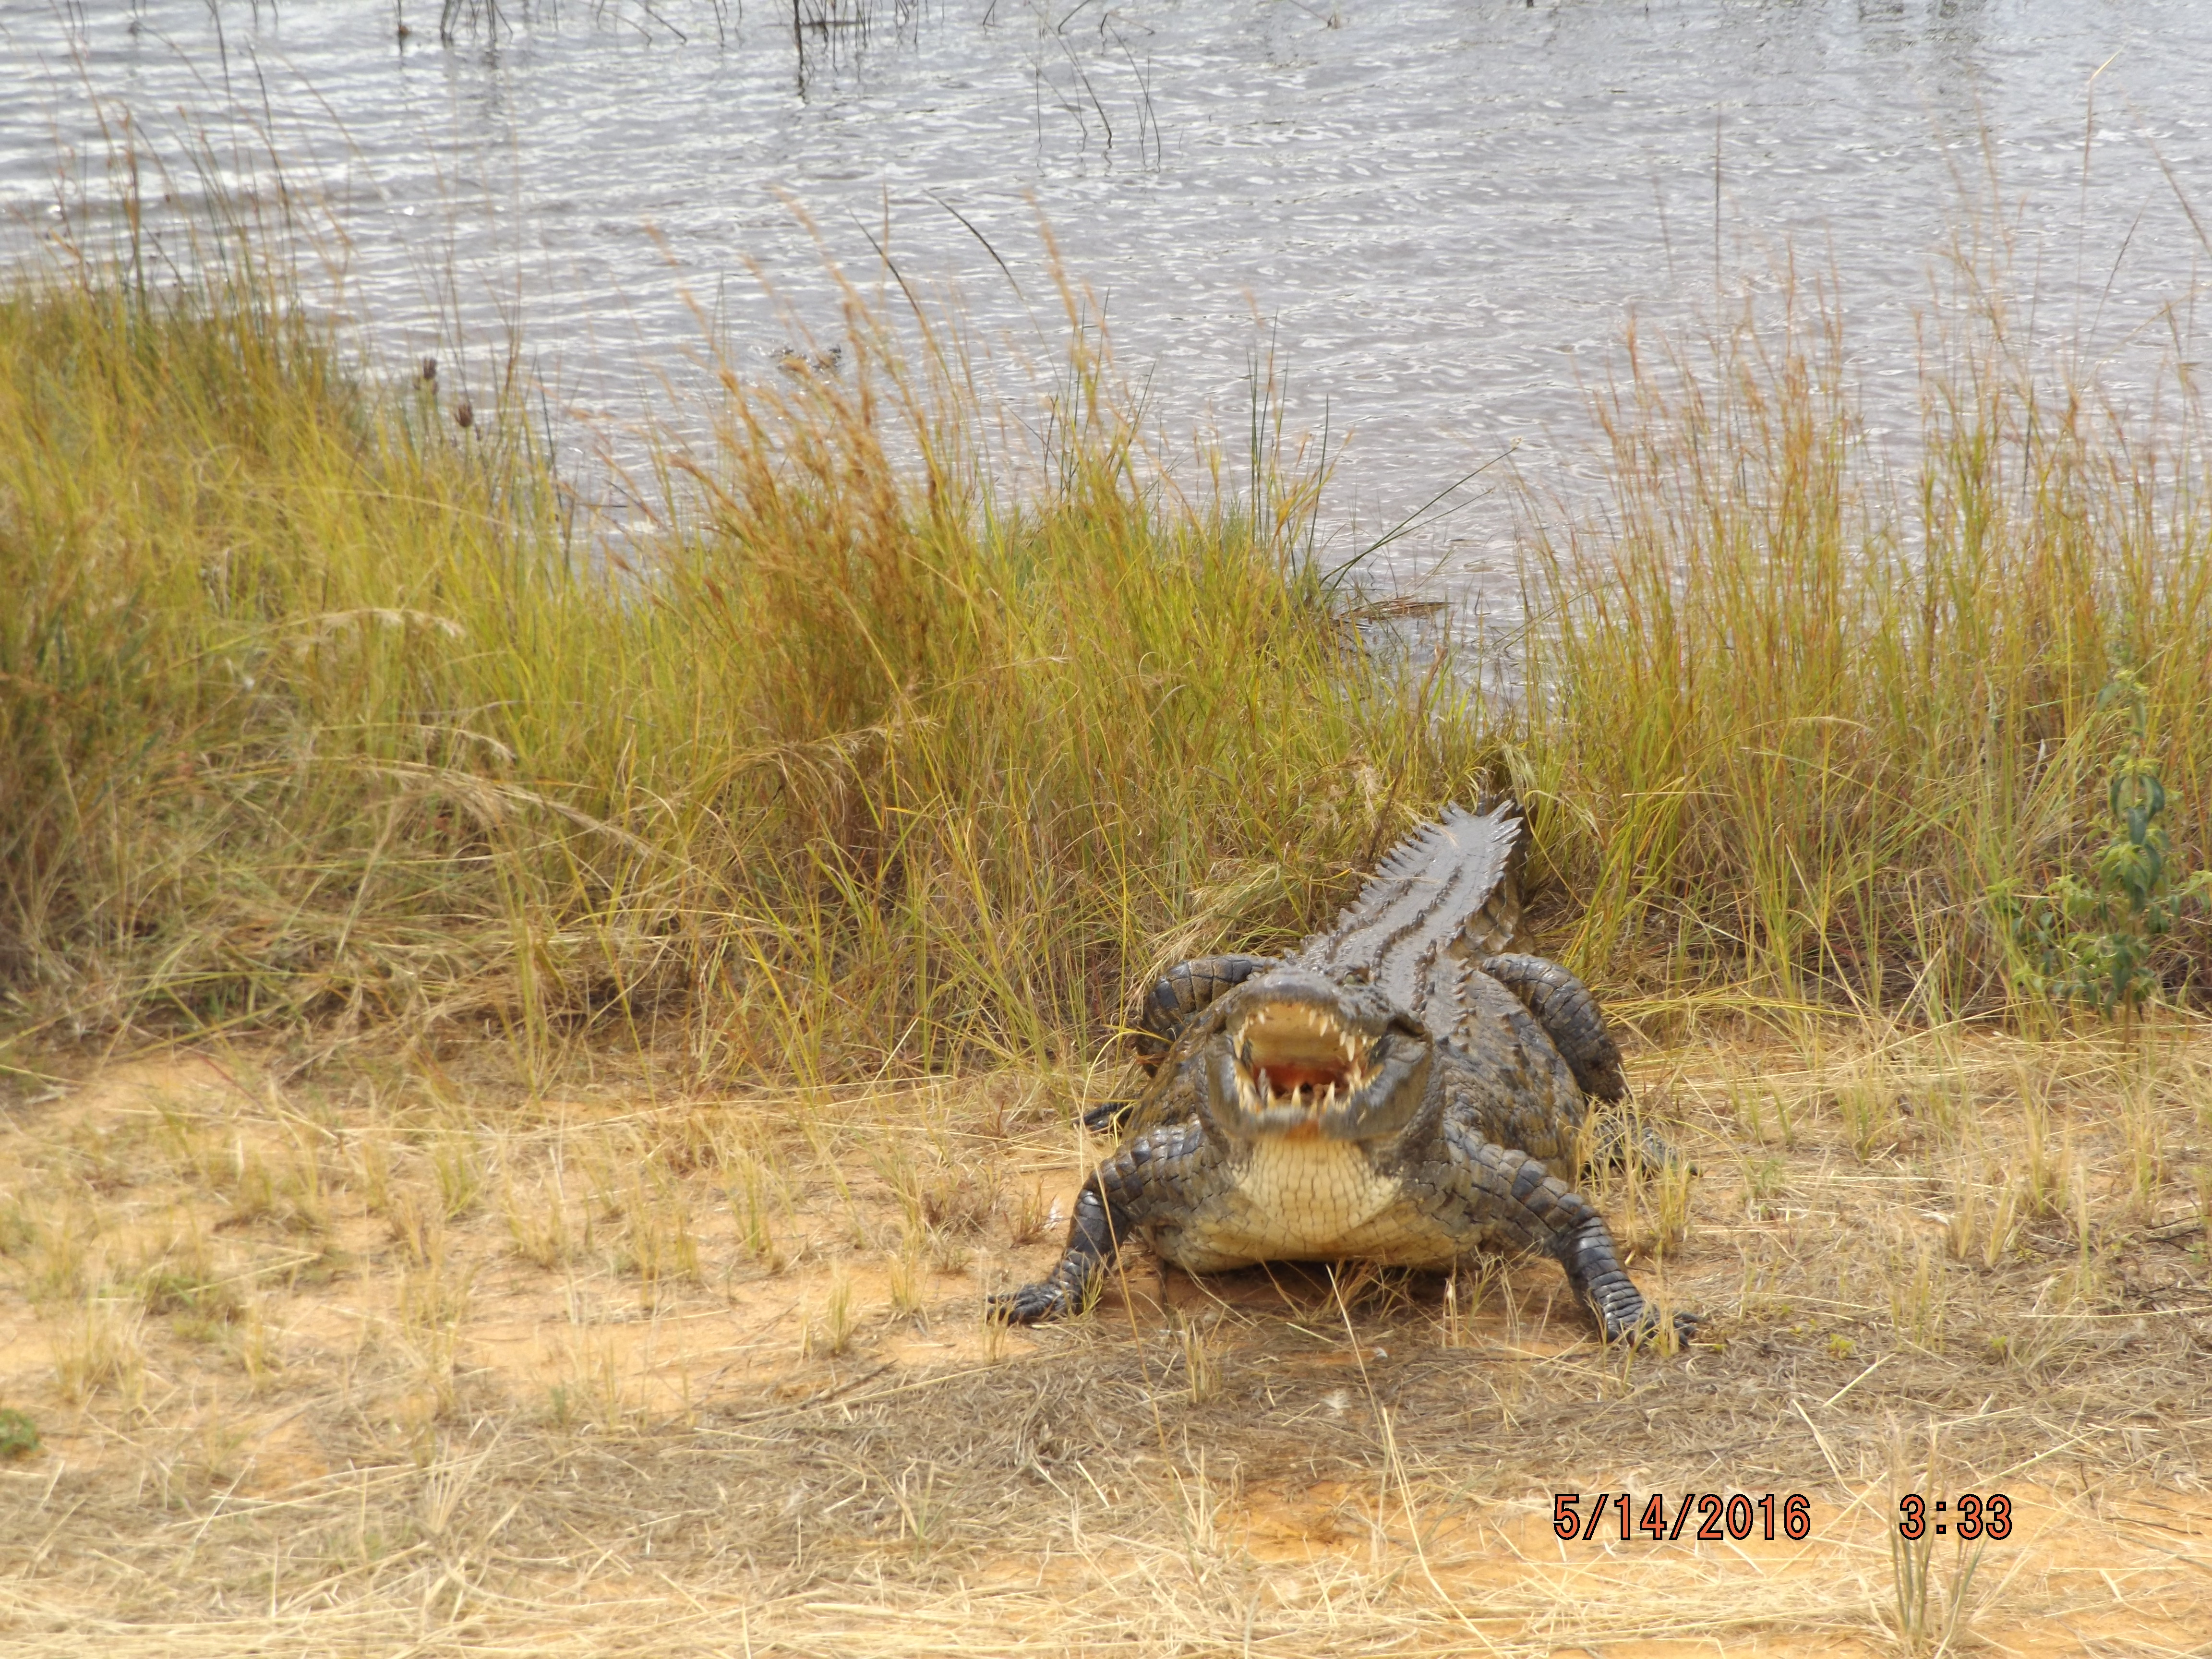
(19, 1436)
(2092, 941)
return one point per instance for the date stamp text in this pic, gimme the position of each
(1733, 1516)
(1711, 1516)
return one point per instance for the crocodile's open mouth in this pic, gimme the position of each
(1299, 1056)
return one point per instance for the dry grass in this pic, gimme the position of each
(1807, 706)
(462, 1440)
(912, 769)
(309, 691)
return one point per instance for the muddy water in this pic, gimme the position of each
(1441, 214)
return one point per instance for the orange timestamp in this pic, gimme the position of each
(1971, 1516)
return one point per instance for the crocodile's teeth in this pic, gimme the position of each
(1328, 1101)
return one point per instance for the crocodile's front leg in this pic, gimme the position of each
(1178, 997)
(1505, 1196)
(1183, 993)
(1152, 1171)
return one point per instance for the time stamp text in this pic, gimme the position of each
(1735, 1517)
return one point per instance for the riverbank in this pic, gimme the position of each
(527, 1051)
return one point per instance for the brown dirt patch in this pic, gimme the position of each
(383, 1361)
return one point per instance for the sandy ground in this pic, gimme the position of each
(398, 1357)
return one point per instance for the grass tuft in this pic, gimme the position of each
(1803, 726)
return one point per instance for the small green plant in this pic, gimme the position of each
(19, 1436)
(2091, 941)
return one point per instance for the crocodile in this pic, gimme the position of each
(1403, 1090)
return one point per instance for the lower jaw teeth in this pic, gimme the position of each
(1305, 1098)
(1259, 1093)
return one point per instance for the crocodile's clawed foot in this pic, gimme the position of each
(1028, 1305)
(1644, 1324)
(1108, 1116)
(1621, 1145)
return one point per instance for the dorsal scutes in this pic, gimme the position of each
(1418, 904)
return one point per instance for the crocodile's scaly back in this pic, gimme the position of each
(1441, 883)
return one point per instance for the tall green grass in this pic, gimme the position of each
(313, 710)
(1802, 715)
(316, 708)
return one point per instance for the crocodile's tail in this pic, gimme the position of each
(1450, 882)
(1570, 1016)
